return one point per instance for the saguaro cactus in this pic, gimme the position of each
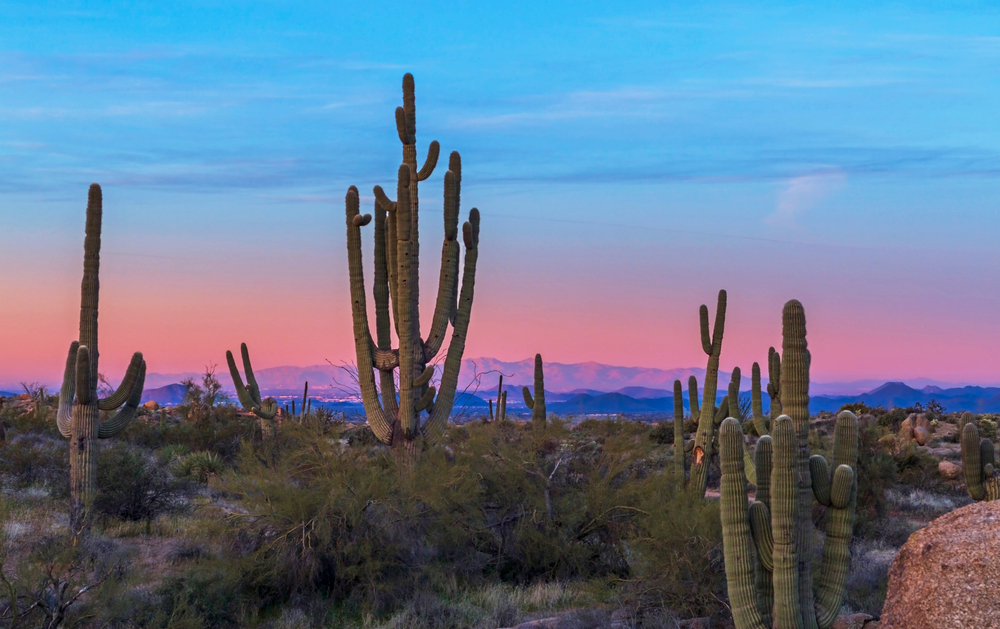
(78, 418)
(978, 465)
(678, 430)
(712, 345)
(760, 423)
(249, 395)
(774, 381)
(397, 422)
(501, 413)
(778, 526)
(536, 404)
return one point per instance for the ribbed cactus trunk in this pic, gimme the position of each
(396, 420)
(779, 521)
(537, 404)
(678, 432)
(712, 345)
(979, 465)
(78, 417)
(86, 416)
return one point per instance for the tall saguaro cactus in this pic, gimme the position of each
(536, 404)
(79, 418)
(768, 545)
(249, 395)
(712, 345)
(397, 422)
(979, 465)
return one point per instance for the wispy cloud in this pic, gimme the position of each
(801, 194)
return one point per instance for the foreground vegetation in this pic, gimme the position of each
(198, 523)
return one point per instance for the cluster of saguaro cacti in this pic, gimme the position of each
(397, 422)
(979, 464)
(249, 394)
(768, 546)
(501, 413)
(719, 413)
(537, 403)
(79, 418)
(712, 345)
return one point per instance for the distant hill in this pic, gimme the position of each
(610, 403)
(641, 393)
(898, 394)
(170, 395)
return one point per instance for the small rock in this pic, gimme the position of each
(948, 469)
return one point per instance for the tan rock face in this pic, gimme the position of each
(948, 469)
(947, 574)
(151, 405)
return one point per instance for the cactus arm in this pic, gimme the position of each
(736, 535)
(246, 401)
(760, 525)
(750, 470)
(424, 378)
(448, 279)
(385, 360)
(432, 159)
(453, 362)
(426, 399)
(528, 401)
(693, 397)
(381, 423)
(83, 379)
(706, 340)
(252, 387)
(383, 323)
(784, 511)
(703, 437)
(113, 426)
(64, 416)
(118, 398)
(678, 431)
(389, 236)
(820, 473)
(795, 404)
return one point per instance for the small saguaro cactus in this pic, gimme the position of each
(712, 345)
(979, 465)
(768, 545)
(760, 423)
(501, 413)
(249, 395)
(678, 430)
(536, 404)
(79, 407)
(397, 422)
(774, 381)
(306, 402)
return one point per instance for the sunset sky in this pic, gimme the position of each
(628, 162)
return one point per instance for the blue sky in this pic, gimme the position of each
(629, 161)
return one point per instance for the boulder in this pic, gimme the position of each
(916, 427)
(949, 470)
(151, 405)
(946, 574)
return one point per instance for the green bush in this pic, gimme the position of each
(199, 466)
(134, 486)
(988, 427)
(36, 459)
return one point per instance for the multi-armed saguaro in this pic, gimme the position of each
(79, 407)
(397, 422)
(536, 404)
(249, 395)
(712, 344)
(768, 545)
(978, 464)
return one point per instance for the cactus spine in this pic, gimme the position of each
(397, 422)
(712, 345)
(79, 407)
(537, 405)
(779, 523)
(979, 464)
(249, 394)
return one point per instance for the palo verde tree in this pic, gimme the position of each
(396, 421)
(79, 416)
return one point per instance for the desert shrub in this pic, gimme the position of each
(219, 430)
(893, 418)
(917, 468)
(199, 466)
(662, 433)
(208, 594)
(134, 486)
(868, 576)
(877, 472)
(36, 459)
(988, 427)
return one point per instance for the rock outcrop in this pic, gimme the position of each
(916, 427)
(946, 574)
